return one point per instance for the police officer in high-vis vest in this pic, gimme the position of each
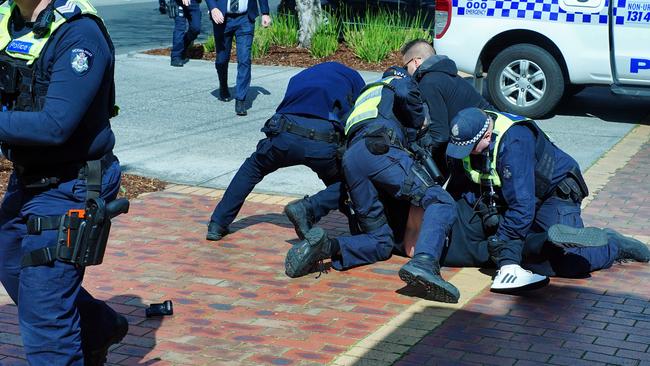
(377, 162)
(57, 96)
(520, 183)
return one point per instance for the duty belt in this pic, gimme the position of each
(282, 124)
(37, 177)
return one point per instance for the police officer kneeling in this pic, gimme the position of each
(377, 162)
(528, 179)
(57, 96)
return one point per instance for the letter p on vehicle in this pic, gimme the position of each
(637, 64)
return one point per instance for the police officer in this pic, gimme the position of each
(187, 26)
(305, 130)
(562, 251)
(377, 162)
(57, 96)
(444, 91)
(508, 161)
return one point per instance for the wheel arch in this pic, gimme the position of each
(521, 36)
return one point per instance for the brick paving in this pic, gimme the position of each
(233, 305)
(601, 320)
(232, 302)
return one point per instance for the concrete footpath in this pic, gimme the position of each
(233, 305)
(173, 127)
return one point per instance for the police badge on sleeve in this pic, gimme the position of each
(81, 60)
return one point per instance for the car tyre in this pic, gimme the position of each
(526, 80)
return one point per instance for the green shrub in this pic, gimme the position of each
(284, 30)
(375, 35)
(370, 37)
(208, 45)
(325, 40)
(261, 41)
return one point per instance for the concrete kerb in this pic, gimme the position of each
(389, 342)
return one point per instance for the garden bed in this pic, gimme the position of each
(370, 43)
(296, 57)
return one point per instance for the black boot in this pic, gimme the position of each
(216, 232)
(628, 247)
(424, 270)
(304, 255)
(301, 216)
(97, 357)
(572, 237)
(224, 93)
(240, 107)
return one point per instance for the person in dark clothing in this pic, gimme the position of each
(57, 95)
(235, 18)
(306, 129)
(562, 251)
(442, 89)
(187, 26)
(375, 162)
(507, 164)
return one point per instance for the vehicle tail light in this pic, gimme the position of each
(443, 17)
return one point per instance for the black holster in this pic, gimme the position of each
(82, 234)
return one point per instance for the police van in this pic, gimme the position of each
(537, 51)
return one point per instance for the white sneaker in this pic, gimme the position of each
(512, 278)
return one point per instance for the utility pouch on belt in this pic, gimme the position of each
(377, 145)
(572, 187)
(8, 78)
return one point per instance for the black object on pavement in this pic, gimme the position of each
(165, 308)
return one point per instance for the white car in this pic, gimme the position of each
(536, 51)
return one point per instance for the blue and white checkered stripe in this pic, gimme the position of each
(619, 12)
(544, 10)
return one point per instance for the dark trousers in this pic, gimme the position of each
(58, 318)
(468, 248)
(279, 151)
(187, 26)
(367, 175)
(242, 28)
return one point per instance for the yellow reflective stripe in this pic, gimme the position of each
(366, 104)
(5, 10)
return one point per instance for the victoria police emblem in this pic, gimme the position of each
(81, 60)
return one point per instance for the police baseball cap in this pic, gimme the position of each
(467, 128)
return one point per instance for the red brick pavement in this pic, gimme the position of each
(601, 320)
(232, 302)
(234, 306)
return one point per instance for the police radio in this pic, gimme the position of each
(487, 203)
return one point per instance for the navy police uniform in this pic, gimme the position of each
(49, 131)
(392, 171)
(537, 185)
(468, 247)
(187, 26)
(239, 23)
(305, 130)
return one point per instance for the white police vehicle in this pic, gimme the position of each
(536, 51)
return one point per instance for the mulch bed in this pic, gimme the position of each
(294, 56)
(132, 185)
